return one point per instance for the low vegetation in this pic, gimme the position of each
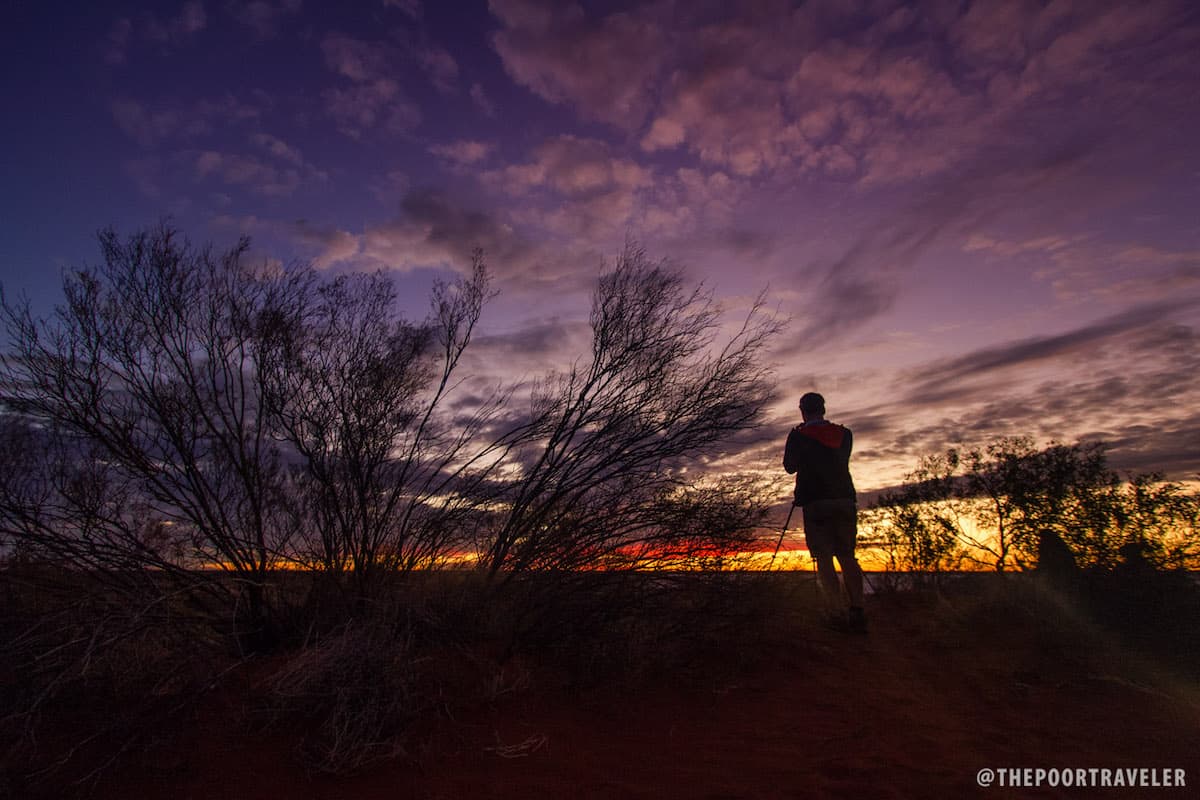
(1013, 506)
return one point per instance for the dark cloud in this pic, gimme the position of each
(447, 225)
(606, 64)
(540, 341)
(1172, 449)
(435, 230)
(1041, 348)
(867, 279)
(1139, 398)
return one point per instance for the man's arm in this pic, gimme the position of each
(791, 454)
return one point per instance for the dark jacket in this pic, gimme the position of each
(819, 454)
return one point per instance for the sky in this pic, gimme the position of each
(981, 219)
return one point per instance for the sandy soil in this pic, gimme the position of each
(914, 710)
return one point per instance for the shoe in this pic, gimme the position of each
(836, 622)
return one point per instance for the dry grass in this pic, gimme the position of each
(358, 690)
(85, 683)
(87, 676)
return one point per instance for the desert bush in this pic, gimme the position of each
(187, 425)
(600, 467)
(601, 628)
(385, 481)
(270, 416)
(918, 526)
(150, 368)
(991, 506)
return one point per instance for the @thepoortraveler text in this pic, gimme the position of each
(1084, 777)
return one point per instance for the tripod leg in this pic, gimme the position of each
(779, 543)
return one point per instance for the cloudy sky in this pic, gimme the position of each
(982, 218)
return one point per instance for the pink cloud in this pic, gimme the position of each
(463, 152)
(752, 90)
(353, 58)
(484, 103)
(152, 125)
(361, 107)
(571, 166)
(606, 67)
(264, 16)
(279, 175)
(277, 147)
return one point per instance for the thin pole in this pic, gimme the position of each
(786, 522)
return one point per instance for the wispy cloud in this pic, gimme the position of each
(435, 231)
(365, 106)
(570, 165)
(463, 152)
(264, 17)
(152, 124)
(574, 186)
(482, 101)
(375, 96)
(278, 169)
(1036, 349)
(438, 65)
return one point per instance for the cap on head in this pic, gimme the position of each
(812, 403)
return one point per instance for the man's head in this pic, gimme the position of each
(812, 406)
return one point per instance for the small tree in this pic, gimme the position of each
(151, 365)
(1146, 515)
(920, 524)
(1005, 494)
(998, 501)
(605, 464)
(62, 504)
(357, 392)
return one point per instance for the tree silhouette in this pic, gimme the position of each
(1000, 501)
(150, 370)
(604, 466)
(357, 392)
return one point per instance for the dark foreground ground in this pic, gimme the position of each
(940, 689)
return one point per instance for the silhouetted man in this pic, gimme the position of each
(818, 452)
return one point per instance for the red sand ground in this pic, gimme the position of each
(914, 710)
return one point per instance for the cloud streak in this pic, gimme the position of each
(1038, 349)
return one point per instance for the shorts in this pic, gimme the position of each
(831, 528)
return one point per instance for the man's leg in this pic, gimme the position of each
(818, 535)
(827, 574)
(845, 539)
(852, 575)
